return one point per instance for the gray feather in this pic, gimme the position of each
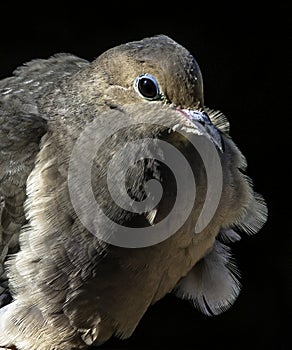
(213, 284)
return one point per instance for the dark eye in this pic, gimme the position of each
(147, 86)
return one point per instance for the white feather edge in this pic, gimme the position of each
(151, 216)
(255, 216)
(213, 283)
(3, 315)
(218, 119)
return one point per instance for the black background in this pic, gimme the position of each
(243, 53)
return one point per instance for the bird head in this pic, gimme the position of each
(153, 69)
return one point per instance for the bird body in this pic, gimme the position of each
(65, 281)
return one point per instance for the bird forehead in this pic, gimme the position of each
(158, 52)
(162, 53)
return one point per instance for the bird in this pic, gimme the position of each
(78, 139)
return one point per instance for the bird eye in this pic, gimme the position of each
(147, 86)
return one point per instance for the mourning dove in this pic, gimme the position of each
(79, 264)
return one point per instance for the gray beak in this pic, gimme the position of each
(201, 121)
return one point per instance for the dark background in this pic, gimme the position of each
(243, 53)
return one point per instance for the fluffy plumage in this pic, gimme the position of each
(61, 286)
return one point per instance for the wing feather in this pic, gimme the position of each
(21, 129)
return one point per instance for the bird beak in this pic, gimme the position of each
(201, 121)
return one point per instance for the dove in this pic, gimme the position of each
(117, 186)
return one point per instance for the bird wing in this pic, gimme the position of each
(21, 129)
